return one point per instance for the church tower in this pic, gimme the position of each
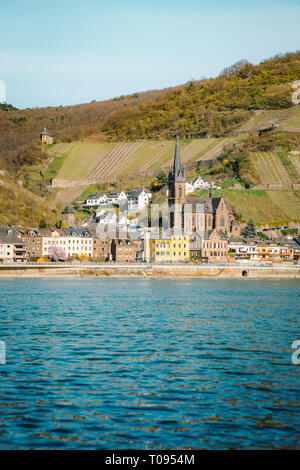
(46, 137)
(177, 183)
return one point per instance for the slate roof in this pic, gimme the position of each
(45, 131)
(68, 210)
(9, 235)
(115, 193)
(77, 232)
(208, 204)
(208, 233)
(95, 195)
(134, 193)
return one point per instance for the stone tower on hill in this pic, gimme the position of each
(46, 137)
(68, 216)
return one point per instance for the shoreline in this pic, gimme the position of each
(151, 272)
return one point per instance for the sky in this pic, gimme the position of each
(64, 52)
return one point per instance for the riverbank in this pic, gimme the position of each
(150, 271)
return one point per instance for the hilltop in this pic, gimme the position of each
(129, 139)
(206, 108)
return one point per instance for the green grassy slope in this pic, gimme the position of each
(104, 160)
(19, 206)
(265, 207)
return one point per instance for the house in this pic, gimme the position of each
(96, 199)
(46, 137)
(195, 247)
(74, 241)
(138, 199)
(34, 241)
(214, 246)
(200, 183)
(208, 246)
(237, 248)
(101, 246)
(12, 247)
(169, 248)
(189, 188)
(116, 197)
(100, 213)
(125, 250)
(79, 242)
(68, 216)
(296, 249)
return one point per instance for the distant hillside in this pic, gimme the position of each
(206, 108)
(131, 138)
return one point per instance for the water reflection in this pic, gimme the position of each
(149, 364)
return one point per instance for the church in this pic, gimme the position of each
(196, 214)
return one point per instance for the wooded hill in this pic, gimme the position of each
(206, 108)
(211, 116)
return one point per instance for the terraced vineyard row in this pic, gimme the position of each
(114, 159)
(295, 161)
(207, 149)
(92, 160)
(275, 168)
(287, 162)
(159, 157)
(80, 158)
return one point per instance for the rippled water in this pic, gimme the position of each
(144, 364)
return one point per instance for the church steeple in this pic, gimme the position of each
(177, 191)
(177, 173)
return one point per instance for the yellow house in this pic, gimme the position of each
(174, 248)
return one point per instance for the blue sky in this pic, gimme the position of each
(73, 51)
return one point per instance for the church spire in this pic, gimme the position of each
(177, 164)
(177, 171)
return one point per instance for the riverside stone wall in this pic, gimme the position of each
(150, 271)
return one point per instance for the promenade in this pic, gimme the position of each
(168, 270)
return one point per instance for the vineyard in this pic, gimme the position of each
(104, 161)
(277, 168)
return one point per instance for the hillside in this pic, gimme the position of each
(106, 161)
(276, 208)
(129, 139)
(206, 108)
(21, 206)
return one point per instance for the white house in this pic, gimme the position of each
(12, 247)
(100, 212)
(116, 197)
(200, 183)
(74, 241)
(96, 199)
(189, 188)
(138, 198)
